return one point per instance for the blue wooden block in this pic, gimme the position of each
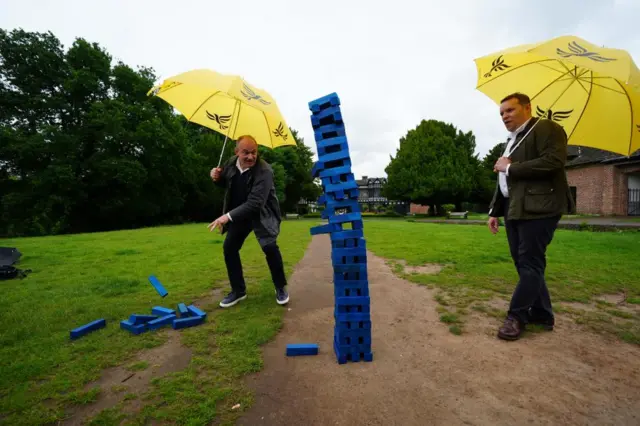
(87, 328)
(360, 336)
(195, 311)
(343, 154)
(187, 322)
(138, 319)
(325, 229)
(160, 322)
(331, 115)
(350, 288)
(352, 354)
(133, 327)
(352, 316)
(349, 243)
(352, 305)
(158, 286)
(353, 251)
(182, 308)
(162, 311)
(324, 102)
(357, 224)
(322, 199)
(342, 186)
(357, 233)
(349, 217)
(348, 260)
(331, 149)
(349, 275)
(335, 171)
(296, 349)
(328, 132)
(328, 142)
(353, 325)
(353, 267)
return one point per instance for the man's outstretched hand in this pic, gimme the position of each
(219, 222)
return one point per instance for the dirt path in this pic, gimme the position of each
(422, 374)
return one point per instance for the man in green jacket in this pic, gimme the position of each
(250, 204)
(531, 194)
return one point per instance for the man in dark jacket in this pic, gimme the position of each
(250, 204)
(531, 194)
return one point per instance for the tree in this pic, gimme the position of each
(434, 165)
(83, 148)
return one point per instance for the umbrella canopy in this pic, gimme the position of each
(593, 92)
(227, 104)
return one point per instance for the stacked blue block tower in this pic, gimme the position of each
(352, 331)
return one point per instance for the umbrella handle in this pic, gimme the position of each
(534, 124)
(227, 135)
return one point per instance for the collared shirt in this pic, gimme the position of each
(239, 167)
(502, 176)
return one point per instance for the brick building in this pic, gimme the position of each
(604, 183)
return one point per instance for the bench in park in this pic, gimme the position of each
(292, 216)
(457, 215)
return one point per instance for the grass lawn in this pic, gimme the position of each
(79, 278)
(581, 266)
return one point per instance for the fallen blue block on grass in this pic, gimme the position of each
(187, 322)
(133, 327)
(160, 322)
(195, 311)
(162, 311)
(296, 349)
(182, 308)
(87, 328)
(158, 286)
(138, 319)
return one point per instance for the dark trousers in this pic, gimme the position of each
(528, 241)
(236, 235)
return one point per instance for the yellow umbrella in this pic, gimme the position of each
(593, 92)
(226, 104)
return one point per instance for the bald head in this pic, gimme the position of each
(247, 151)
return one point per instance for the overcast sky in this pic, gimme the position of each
(393, 63)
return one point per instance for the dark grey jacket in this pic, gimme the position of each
(261, 208)
(537, 179)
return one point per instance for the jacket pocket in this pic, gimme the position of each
(540, 200)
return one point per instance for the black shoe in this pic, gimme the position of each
(231, 299)
(281, 296)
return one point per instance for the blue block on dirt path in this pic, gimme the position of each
(325, 229)
(132, 327)
(328, 132)
(346, 354)
(182, 309)
(158, 286)
(195, 311)
(361, 336)
(187, 322)
(87, 328)
(353, 325)
(141, 319)
(354, 251)
(351, 288)
(161, 322)
(324, 102)
(297, 349)
(161, 311)
(348, 260)
(331, 115)
(352, 316)
(353, 267)
(349, 275)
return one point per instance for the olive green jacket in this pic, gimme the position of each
(537, 180)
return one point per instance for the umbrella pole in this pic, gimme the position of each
(227, 135)
(534, 124)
